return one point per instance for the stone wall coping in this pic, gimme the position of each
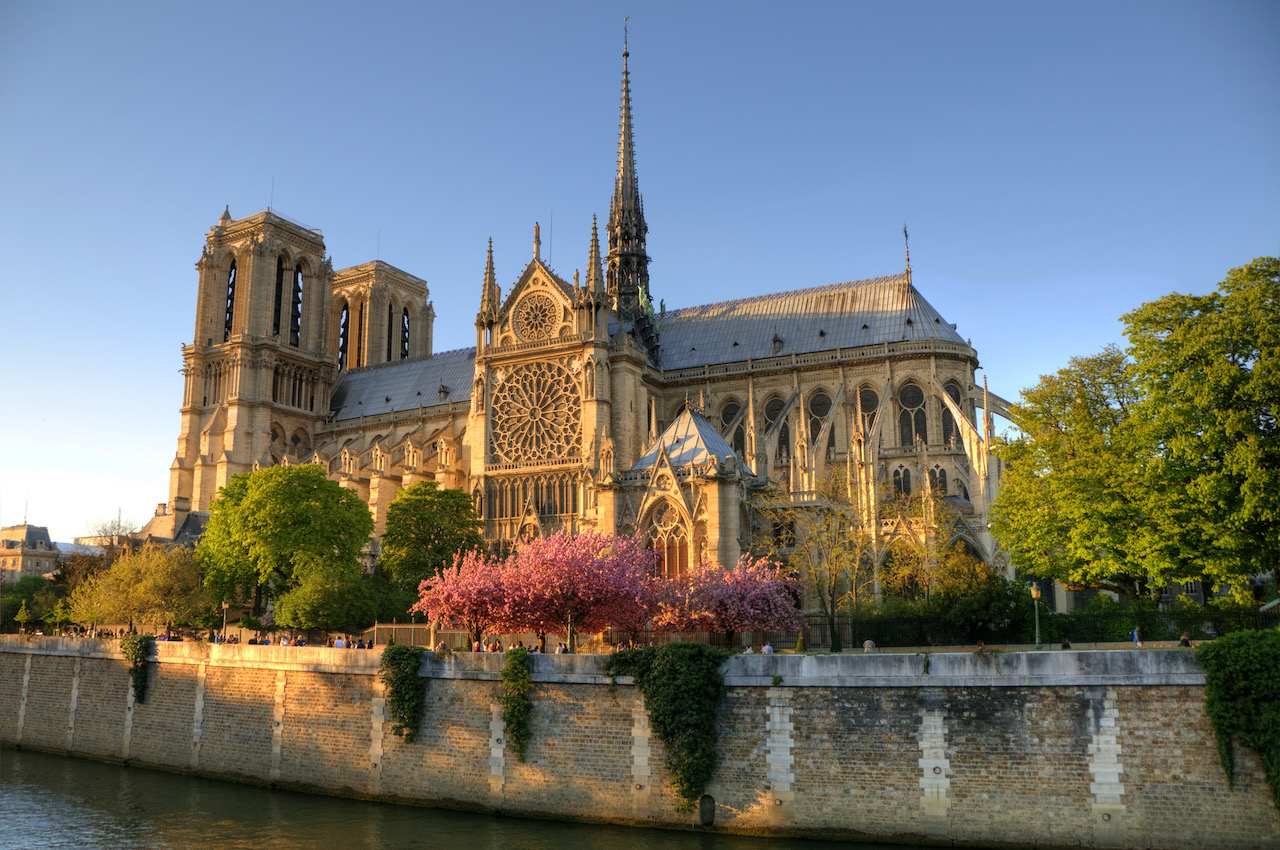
(949, 669)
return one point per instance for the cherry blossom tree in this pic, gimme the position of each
(579, 583)
(754, 595)
(471, 593)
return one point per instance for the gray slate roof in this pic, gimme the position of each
(404, 385)
(842, 315)
(690, 439)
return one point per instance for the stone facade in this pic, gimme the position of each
(575, 407)
(1091, 749)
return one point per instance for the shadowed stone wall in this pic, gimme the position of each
(1098, 749)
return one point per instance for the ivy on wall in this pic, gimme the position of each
(136, 649)
(1242, 696)
(682, 686)
(517, 707)
(406, 691)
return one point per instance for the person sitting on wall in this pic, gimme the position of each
(1185, 640)
(766, 650)
(1066, 642)
(868, 645)
(748, 650)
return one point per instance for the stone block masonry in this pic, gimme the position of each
(1055, 749)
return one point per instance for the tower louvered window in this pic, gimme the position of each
(231, 301)
(404, 334)
(344, 333)
(391, 326)
(295, 319)
(912, 422)
(279, 299)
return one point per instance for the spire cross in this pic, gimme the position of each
(906, 242)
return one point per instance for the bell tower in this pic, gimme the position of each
(258, 371)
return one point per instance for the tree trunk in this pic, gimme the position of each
(837, 645)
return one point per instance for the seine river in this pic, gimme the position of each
(54, 801)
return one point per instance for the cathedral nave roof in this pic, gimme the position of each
(405, 384)
(822, 318)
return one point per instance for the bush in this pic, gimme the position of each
(682, 686)
(406, 691)
(136, 649)
(1242, 694)
(517, 707)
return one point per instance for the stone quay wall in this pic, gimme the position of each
(1093, 749)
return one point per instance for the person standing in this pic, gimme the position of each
(1137, 636)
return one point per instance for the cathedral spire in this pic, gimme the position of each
(595, 277)
(628, 263)
(489, 290)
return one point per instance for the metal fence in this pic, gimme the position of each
(922, 630)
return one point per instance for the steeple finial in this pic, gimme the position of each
(906, 241)
(489, 290)
(595, 277)
(537, 241)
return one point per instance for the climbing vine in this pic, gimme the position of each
(405, 689)
(1242, 695)
(136, 649)
(682, 685)
(517, 682)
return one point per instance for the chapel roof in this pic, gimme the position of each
(690, 439)
(821, 318)
(405, 384)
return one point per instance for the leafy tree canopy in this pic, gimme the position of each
(159, 585)
(1138, 469)
(426, 528)
(1209, 370)
(270, 530)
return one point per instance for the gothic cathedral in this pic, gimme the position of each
(581, 405)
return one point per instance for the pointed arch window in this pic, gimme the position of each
(870, 402)
(344, 333)
(279, 299)
(772, 410)
(231, 301)
(948, 421)
(670, 539)
(912, 422)
(819, 407)
(404, 334)
(739, 437)
(902, 482)
(295, 317)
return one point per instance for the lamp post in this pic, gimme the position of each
(225, 606)
(1035, 600)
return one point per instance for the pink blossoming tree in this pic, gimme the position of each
(470, 594)
(754, 595)
(579, 583)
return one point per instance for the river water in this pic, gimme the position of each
(49, 801)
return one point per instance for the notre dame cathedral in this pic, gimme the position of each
(581, 405)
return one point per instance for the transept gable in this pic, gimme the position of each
(538, 309)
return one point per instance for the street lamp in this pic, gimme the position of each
(1035, 600)
(225, 606)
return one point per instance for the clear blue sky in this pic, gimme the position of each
(1057, 164)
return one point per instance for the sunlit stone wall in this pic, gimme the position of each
(1098, 749)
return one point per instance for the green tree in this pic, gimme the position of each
(426, 528)
(1209, 369)
(15, 594)
(157, 585)
(270, 530)
(830, 550)
(328, 600)
(1072, 502)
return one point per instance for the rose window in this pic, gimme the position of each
(537, 415)
(536, 317)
